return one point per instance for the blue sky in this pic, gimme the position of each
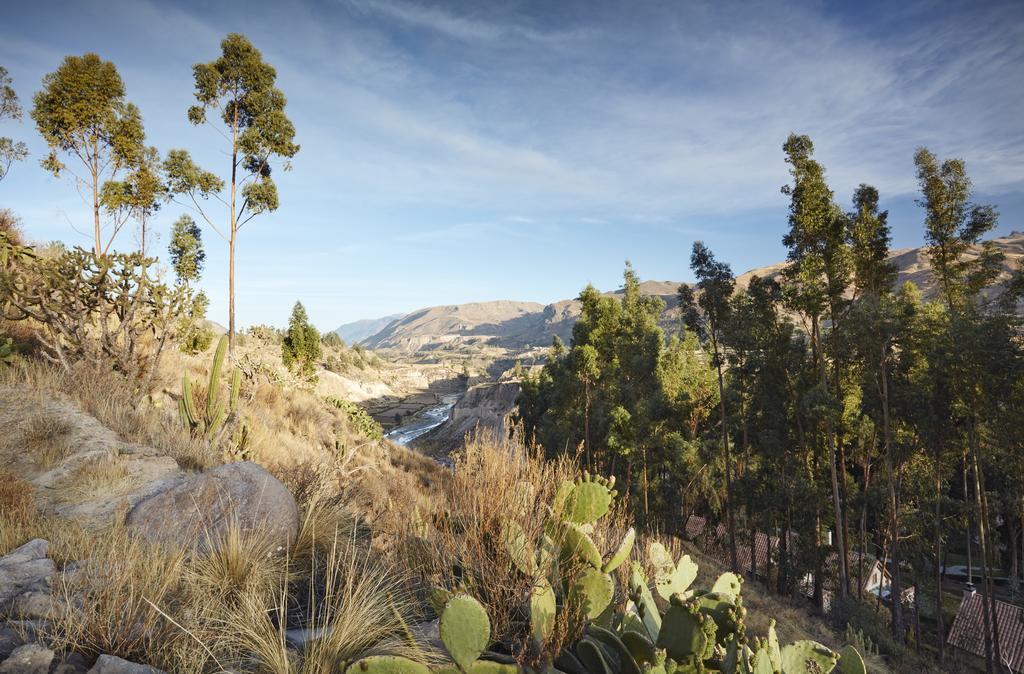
(468, 151)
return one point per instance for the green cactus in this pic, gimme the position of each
(542, 611)
(682, 633)
(465, 630)
(211, 422)
(593, 591)
(388, 664)
(851, 662)
(588, 500)
(808, 657)
(518, 547)
(621, 553)
(761, 663)
(670, 577)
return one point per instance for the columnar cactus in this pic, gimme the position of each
(210, 422)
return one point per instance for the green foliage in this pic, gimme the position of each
(186, 250)
(360, 418)
(81, 111)
(332, 340)
(625, 394)
(10, 108)
(300, 348)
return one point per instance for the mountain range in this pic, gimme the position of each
(517, 327)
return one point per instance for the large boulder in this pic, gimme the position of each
(201, 509)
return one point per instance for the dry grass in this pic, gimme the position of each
(93, 477)
(114, 402)
(458, 544)
(45, 435)
(230, 608)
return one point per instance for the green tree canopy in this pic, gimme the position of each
(301, 346)
(186, 250)
(10, 108)
(82, 112)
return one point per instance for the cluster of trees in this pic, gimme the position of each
(96, 137)
(826, 399)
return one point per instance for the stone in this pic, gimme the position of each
(34, 604)
(9, 640)
(28, 659)
(73, 663)
(111, 664)
(25, 569)
(201, 509)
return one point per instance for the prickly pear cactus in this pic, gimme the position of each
(851, 662)
(670, 577)
(465, 629)
(808, 657)
(387, 664)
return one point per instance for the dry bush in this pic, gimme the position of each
(460, 544)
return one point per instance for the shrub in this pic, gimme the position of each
(360, 418)
(104, 310)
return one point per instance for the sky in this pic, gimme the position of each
(470, 151)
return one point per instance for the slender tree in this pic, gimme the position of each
(82, 112)
(815, 279)
(877, 315)
(707, 314)
(301, 345)
(10, 108)
(239, 88)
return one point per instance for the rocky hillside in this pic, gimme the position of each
(510, 329)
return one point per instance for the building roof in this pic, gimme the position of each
(968, 630)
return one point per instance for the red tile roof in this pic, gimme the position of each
(968, 630)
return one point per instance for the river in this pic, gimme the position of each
(425, 421)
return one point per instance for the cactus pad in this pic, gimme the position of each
(518, 547)
(620, 554)
(542, 611)
(465, 629)
(670, 577)
(388, 664)
(577, 546)
(761, 663)
(589, 500)
(594, 591)
(681, 634)
(850, 661)
(807, 657)
(728, 583)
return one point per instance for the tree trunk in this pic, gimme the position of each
(95, 170)
(982, 526)
(988, 554)
(940, 627)
(231, 240)
(844, 577)
(970, 569)
(894, 523)
(730, 513)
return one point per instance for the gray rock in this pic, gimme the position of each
(25, 569)
(111, 664)
(202, 508)
(9, 640)
(28, 659)
(75, 663)
(35, 604)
